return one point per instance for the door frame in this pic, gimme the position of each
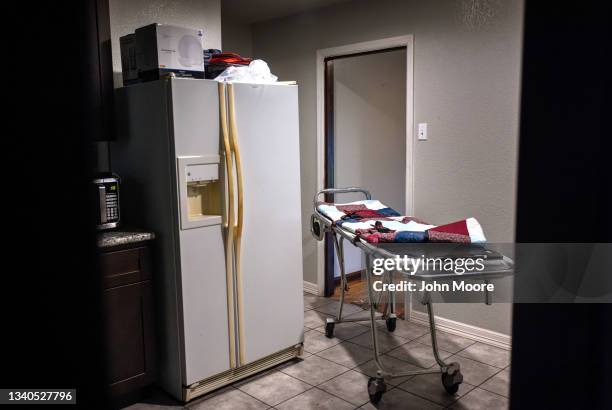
(355, 48)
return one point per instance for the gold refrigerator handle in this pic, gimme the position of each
(229, 224)
(233, 131)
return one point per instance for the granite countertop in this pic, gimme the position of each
(125, 236)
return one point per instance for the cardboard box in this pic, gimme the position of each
(129, 68)
(160, 49)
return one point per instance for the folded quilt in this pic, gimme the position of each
(375, 222)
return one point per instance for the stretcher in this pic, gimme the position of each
(495, 266)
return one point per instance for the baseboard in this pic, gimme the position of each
(461, 329)
(350, 277)
(310, 287)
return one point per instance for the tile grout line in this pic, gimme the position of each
(356, 366)
(484, 381)
(335, 395)
(425, 398)
(327, 348)
(479, 361)
(358, 405)
(360, 334)
(478, 387)
(489, 378)
(390, 387)
(316, 387)
(371, 348)
(422, 344)
(499, 370)
(419, 337)
(318, 306)
(492, 392)
(338, 344)
(430, 400)
(338, 375)
(409, 340)
(293, 397)
(325, 381)
(460, 350)
(451, 354)
(261, 401)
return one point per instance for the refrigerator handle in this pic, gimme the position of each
(236, 150)
(229, 222)
(233, 131)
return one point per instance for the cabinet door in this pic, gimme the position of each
(125, 266)
(129, 333)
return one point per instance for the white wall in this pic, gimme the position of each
(128, 15)
(466, 86)
(370, 131)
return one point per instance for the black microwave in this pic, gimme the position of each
(107, 195)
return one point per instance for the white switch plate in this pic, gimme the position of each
(423, 131)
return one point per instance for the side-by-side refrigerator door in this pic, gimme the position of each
(268, 238)
(200, 187)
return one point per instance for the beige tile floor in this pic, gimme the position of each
(333, 373)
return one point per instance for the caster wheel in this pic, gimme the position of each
(391, 324)
(329, 329)
(376, 389)
(451, 382)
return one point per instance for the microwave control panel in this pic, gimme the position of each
(112, 201)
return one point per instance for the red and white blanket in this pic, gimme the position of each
(376, 222)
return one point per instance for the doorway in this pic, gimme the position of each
(367, 136)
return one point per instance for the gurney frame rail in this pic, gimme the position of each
(389, 316)
(451, 373)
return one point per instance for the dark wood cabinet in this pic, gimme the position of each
(128, 313)
(100, 73)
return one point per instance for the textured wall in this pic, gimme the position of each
(466, 86)
(127, 15)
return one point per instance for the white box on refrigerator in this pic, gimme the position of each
(163, 49)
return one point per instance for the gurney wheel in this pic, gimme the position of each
(376, 389)
(391, 324)
(329, 329)
(451, 382)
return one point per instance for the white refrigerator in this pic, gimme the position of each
(214, 170)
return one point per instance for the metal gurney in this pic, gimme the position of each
(496, 267)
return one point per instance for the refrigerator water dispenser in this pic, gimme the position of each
(200, 191)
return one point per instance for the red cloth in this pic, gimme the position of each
(229, 58)
(459, 227)
(366, 213)
(453, 232)
(351, 208)
(372, 236)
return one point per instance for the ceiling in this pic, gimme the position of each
(253, 11)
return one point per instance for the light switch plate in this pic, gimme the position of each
(422, 131)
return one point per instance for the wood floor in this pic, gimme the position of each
(358, 294)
